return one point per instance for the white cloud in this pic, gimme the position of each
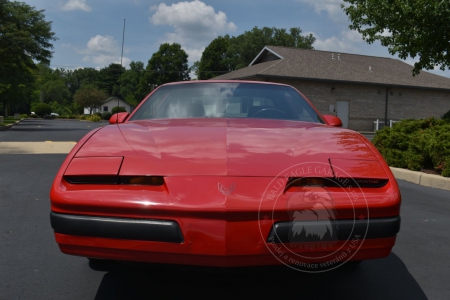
(386, 33)
(352, 36)
(194, 54)
(102, 44)
(349, 41)
(332, 7)
(102, 51)
(76, 5)
(195, 23)
(436, 70)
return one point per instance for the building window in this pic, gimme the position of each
(105, 108)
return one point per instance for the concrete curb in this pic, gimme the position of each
(6, 127)
(420, 178)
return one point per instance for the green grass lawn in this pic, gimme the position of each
(9, 120)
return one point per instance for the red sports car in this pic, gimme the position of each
(226, 174)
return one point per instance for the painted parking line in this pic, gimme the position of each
(47, 147)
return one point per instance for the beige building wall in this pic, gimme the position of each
(367, 102)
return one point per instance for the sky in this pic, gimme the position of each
(90, 32)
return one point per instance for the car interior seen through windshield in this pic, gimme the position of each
(227, 100)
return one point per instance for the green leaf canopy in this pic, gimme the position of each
(418, 28)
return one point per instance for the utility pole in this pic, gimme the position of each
(121, 56)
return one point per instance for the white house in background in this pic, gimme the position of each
(108, 105)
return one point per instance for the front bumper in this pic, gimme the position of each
(216, 243)
(367, 229)
(117, 228)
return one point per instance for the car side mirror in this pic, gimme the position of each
(118, 118)
(333, 120)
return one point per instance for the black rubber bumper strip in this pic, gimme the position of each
(117, 228)
(282, 232)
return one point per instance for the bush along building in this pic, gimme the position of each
(358, 89)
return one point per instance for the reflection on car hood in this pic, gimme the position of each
(231, 147)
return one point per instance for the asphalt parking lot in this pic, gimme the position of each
(32, 267)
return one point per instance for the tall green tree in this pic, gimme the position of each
(25, 37)
(76, 78)
(168, 64)
(129, 87)
(419, 28)
(225, 54)
(18, 90)
(24, 33)
(89, 96)
(244, 48)
(55, 91)
(215, 60)
(109, 79)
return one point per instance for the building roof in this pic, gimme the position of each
(115, 99)
(295, 63)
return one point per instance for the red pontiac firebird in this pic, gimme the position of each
(226, 174)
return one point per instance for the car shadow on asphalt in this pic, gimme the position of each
(386, 278)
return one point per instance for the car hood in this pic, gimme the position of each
(225, 147)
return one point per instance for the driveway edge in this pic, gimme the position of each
(6, 127)
(420, 178)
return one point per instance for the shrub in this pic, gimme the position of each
(446, 116)
(118, 109)
(60, 109)
(43, 109)
(446, 168)
(94, 118)
(98, 114)
(84, 117)
(416, 145)
(106, 115)
(32, 116)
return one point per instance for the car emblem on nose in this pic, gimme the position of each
(226, 191)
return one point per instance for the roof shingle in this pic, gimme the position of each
(320, 65)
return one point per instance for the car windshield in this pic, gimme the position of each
(226, 100)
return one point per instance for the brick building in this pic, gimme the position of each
(359, 89)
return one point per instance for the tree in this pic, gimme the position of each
(244, 48)
(25, 37)
(62, 110)
(129, 87)
(109, 79)
(215, 59)
(168, 64)
(17, 88)
(55, 90)
(408, 28)
(226, 54)
(76, 78)
(43, 109)
(24, 33)
(89, 96)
